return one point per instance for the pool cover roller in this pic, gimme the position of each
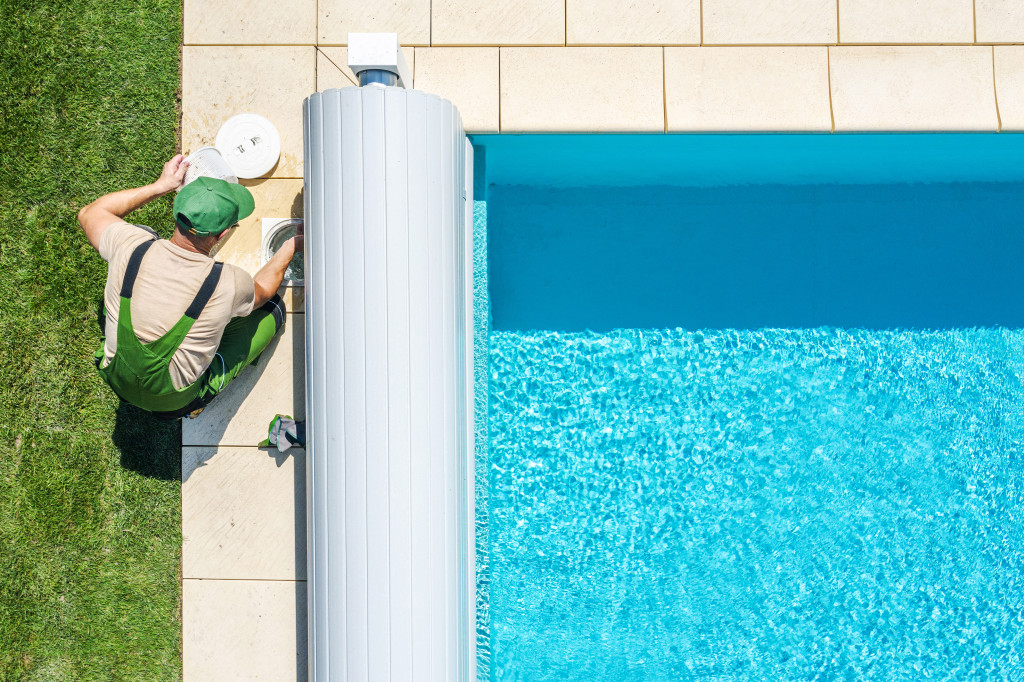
(389, 386)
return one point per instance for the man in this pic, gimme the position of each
(180, 326)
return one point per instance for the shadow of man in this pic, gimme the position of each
(149, 446)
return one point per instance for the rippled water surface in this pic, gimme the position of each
(811, 504)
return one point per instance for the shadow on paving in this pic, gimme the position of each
(148, 446)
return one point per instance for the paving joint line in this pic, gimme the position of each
(995, 92)
(831, 107)
(974, 17)
(335, 64)
(248, 580)
(664, 90)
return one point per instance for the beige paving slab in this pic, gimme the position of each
(792, 22)
(747, 88)
(332, 67)
(410, 19)
(250, 22)
(331, 73)
(243, 513)
(597, 89)
(633, 22)
(239, 416)
(1009, 63)
(1000, 21)
(241, 246)
(468, 76)
(906, 21)
(243, 630)
(498, 22)
(912, 88)
(219, 82)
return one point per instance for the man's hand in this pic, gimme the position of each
(173, 174)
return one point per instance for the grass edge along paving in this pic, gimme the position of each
(90, 492)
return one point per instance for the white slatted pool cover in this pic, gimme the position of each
(389, 385)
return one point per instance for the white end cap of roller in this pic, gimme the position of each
(379, 51)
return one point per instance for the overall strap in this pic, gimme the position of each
(132, 271)
(205, 292)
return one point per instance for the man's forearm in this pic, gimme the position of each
(268, 279)
(127, 200)
(100, 214)
(97, 216)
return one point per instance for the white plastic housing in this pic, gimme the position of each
(378, 51)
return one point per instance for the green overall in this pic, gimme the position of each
(138, 372)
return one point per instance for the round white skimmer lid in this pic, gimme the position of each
(250, 144)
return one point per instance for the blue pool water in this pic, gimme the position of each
(759, 423)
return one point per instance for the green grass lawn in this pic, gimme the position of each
(90, 531)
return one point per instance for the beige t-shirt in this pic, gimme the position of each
(169, 278)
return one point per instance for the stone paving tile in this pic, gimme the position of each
(497, 22)
(219, 82)
(638, 22)
(601, 89)
(1009, 64)
(333, 72)
(1000, 21)
(906, 21)
(468, 76)
(243, 630)
(747, 88)
(912, 88)
(243, 513)
(276, 385)
(788, 22)
(410, 19)
(250, 22)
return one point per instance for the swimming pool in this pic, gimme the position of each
(753, 407)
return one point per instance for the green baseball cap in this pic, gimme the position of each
(211, 205)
